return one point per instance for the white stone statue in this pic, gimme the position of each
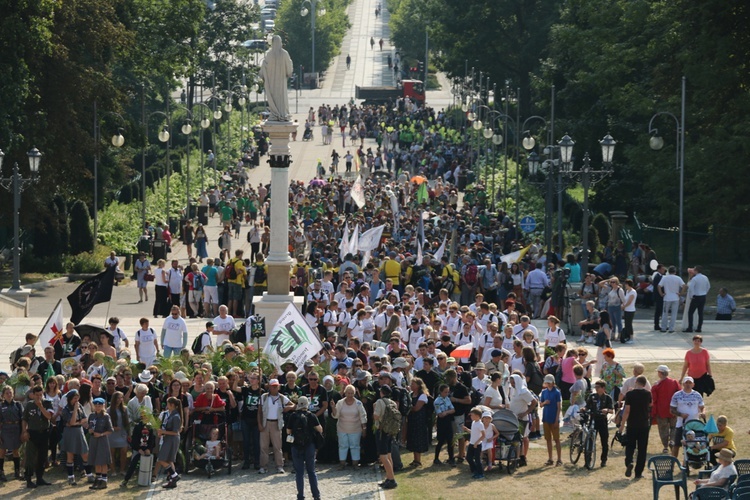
(275, 70)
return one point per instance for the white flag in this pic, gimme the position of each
(358, 192)
(370, 239)
(53, 329)
(354, 241)
(344, 249)
(366, 258)
(420, 257)
(441, 250)
(514, 256)
(292, 340)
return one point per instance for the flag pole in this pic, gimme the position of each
(48, 318)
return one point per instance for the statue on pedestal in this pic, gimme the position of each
(275, 70)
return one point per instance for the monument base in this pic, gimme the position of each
(272, 307)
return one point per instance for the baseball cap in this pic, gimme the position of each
(549, 379)
(451, 359)
(99, 401)
(273, 381)
(487, 414)
(209, 324)
(688, 379)
(662, 368)
(496, 352)
(309, 363)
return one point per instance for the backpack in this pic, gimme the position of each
(302, 432)
(260, 274)
(230, 272)
(471, 275)
(404, 400)
(197, 346)
(390, 423)
(301, 274)
(198, 281)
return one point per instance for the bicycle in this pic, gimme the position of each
(583, 440)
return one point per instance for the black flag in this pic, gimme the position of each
(91, 292)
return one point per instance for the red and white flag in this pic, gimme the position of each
(53, 329)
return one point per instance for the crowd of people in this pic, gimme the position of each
(390, 321)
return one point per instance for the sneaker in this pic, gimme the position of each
(389, 484)
(90, 479)
(437, 462)
(124, 484)
(630, 341)
(451, 462)
(280, 470)
(72, 481)
(603, 464)
(479, 476)
(262, 470)
(687, 330)
(30, 484)
(629, 470)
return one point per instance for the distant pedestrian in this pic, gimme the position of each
(348, 61)
(725, 305)
(380, 42)
(372, 43)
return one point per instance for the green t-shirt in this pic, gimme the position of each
(226, 213)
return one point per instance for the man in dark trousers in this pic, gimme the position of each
(35, 427)
(637, 414)
(600, 403)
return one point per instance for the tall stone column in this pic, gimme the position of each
(279, 263)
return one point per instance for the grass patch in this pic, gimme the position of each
(6, 277)
(574, 481)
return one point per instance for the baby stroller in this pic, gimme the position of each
(307, 135)
(696, 452)
(203, 444)
(507, 445)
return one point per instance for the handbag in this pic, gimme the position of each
(601, 339)
(149, 277)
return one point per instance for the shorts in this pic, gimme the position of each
(551, 431)
(195, 296)
(234, 292)
(523, 427)
(383, 443)
(458, 424)
(211, 294)
(677, 439)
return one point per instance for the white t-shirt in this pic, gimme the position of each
(520, 402)
(358, 329)
(368, 329)
(174, 327)
(631, 293)
(487, 342)
(146, 347)
(671, 284)
(686, 403)
(223, 325)
(519, 329)
(477, 427)
(119, 336)
(508, 343)
(496, 399)
(414, 339)
(553, 338)
(480, 385)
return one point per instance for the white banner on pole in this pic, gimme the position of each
(344, 249)
(358, 192)
(354, 241)
(292, 340)
(440, 251)
(370, 239)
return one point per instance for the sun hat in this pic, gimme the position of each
(303, 403)
(145, 376)
(725, 454)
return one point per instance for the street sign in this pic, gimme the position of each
(528, 224)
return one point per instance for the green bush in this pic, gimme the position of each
(86, 262)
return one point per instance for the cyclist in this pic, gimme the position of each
(600, 404)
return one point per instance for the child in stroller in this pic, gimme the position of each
(209, 453)
(697, 453)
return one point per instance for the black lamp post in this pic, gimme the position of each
(17, 184)
(588, 177)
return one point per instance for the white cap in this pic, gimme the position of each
(662, 368)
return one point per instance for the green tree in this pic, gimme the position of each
(297, 34)
(81, 237)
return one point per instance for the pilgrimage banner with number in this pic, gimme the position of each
(292, 340)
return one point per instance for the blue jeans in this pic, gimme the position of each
(251, 441)
(168, 352)
(304, 459)
(615, 315)
(347, 443)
